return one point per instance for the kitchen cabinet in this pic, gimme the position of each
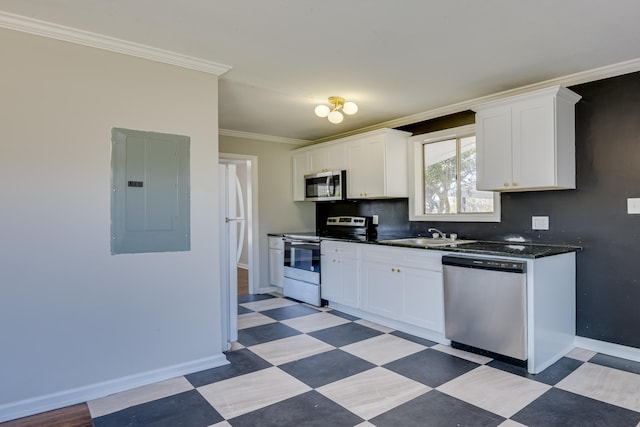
(527, 142)
(300, 169)
(276, 261)
(376, 165)
(375, 162)
(322, 158)
(403, 284)
(326, 158)
(340, 267)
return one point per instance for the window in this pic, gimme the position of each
(444, 179)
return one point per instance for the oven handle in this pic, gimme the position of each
(301, 243)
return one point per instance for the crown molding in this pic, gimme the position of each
(600, 73)
(100, 41)
(262, 137)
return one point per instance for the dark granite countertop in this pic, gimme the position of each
(505, 249)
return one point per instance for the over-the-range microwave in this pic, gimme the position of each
(327, 186)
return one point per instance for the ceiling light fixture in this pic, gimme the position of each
(333, 114)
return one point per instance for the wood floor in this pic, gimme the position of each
(243, 281)
(71, 416)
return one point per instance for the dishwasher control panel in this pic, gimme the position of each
(485, 263)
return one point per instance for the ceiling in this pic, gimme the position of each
(394, 59)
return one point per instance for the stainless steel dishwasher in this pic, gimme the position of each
(485, 305)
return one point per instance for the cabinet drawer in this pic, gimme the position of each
(329, 247)
(418, 258)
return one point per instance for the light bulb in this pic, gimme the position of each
(335, 117)
(350, 108)
(322, 110)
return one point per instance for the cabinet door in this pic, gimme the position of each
(337, 156)
(493, 145)
(350, 281)
(534, 144)
(300, 169)
(319, 160)
(276, 261)
(422, 298)
(331, 278)
(381, 289)
(366, 171)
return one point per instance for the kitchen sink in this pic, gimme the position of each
(423, 242)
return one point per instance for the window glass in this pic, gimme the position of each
(443, 179)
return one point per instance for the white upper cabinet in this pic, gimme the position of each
(527, 142)
(377, 165)
(332, 157)
(300, 169)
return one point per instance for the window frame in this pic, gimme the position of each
(416, 179)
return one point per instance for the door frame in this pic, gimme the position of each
(251, 214)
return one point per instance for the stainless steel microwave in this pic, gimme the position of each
(323, 186)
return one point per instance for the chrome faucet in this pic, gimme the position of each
(437, 233)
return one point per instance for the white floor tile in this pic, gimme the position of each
(609, 385)
(236, 346)
(372, 392)
(494, 390)
(482, 360)
(581, 354)
(126, 399)
(383, 349)
(315, 322)
(221, 424)
(268, 304)
(289, 349)
(511, 423)
(250, 320)
(246, 393)
(374, 325)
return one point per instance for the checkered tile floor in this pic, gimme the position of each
(295, 365)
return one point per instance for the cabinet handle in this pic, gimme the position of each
(334, 260)
(515, 184)
(398, 270)
(506, 184)
(393, 269)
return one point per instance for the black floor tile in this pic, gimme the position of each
(551, 376)
(265, 333)
(616, 362)
(431, 367)
(310, 409)
(253, 297)
(243, 310)
(560, 408)
(242, 362)
(345, 334)
(290, 312)
(436, 409)
(343, 315)
(325, 368)
(184, 409)
(414, 339)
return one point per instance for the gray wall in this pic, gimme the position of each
(75, 321)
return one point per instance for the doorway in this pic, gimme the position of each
(239, 234)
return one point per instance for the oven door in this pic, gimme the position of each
(302, 260)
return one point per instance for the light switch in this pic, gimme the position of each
(540, 222)
(633, 206)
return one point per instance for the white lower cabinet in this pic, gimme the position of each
(404, 284)
(276, 261)
(340, 272)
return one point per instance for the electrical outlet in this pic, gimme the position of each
(540, 222)
(374, 219)
(633, 206)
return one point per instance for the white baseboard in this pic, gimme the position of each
(61, 399)
(616, 350)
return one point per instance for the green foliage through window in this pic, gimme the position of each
(450, 178)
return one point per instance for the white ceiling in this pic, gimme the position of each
(393, 58)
